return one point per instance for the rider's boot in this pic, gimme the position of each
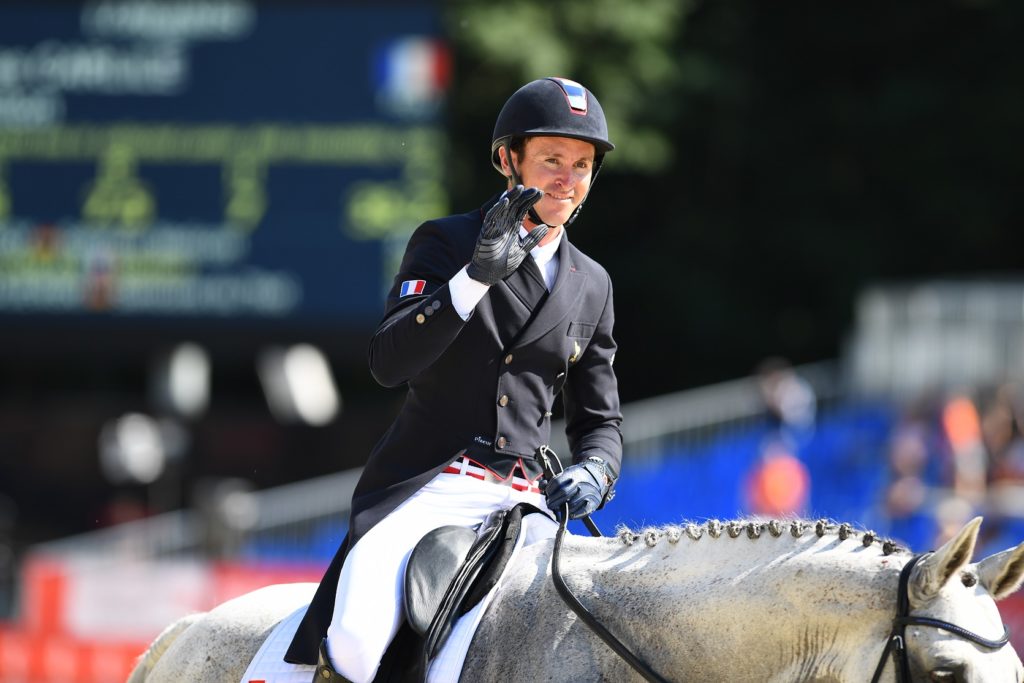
(325, 672)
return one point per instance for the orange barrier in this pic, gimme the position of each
(27, 657)
(47, 644)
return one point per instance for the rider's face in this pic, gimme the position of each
(562, 167)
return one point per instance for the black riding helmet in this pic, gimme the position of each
(554, 107)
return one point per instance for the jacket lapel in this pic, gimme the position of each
(513, 302)
(569, 287)
(527, 284)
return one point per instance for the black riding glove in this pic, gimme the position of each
(583, 486)
(500, 249)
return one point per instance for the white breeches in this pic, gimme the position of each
(368, 606)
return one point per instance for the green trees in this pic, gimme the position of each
(771, 161)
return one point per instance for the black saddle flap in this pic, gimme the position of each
(485, 562)
(432, 565)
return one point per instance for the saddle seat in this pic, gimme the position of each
(433, 565)
(452, 568)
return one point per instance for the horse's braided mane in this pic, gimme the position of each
(753, 529)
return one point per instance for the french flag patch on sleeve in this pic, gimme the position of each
(411, 287)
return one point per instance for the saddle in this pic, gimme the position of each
(451, 569)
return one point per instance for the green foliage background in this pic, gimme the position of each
(772, 159)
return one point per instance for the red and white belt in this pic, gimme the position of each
(517, 478)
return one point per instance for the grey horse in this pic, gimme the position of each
(748, 600)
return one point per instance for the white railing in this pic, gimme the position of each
(289, 510)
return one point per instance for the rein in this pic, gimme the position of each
(896, 643)
(570, 598)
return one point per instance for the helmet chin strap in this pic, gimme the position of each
(532, 213)
(517, 180)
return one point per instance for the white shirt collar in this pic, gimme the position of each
(544, 253)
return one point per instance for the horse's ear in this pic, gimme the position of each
(932, 573)
(1003, 572)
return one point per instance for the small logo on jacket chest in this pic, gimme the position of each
(575, 351)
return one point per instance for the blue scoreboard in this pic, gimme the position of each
(214, 160)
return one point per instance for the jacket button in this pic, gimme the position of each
(508, 359)
(436, 305)
(420, 318)
(502, 442)
(503, 401)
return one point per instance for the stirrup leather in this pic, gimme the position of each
(325, 672)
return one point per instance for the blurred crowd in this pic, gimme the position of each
(956, 455)
(948, 455)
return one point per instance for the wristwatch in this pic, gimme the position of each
(609, 483)
(604, 468)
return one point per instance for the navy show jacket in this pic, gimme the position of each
(491, 379)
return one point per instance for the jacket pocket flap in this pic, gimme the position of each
(585, 330)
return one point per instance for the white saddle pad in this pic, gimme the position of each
(268, 666)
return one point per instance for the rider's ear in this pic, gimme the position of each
(505, 164)
(1003, 572)
(932, 572)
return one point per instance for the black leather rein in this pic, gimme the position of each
(896, 643)
(545, 456)
(576, 606)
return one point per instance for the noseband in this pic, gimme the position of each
(897, 641)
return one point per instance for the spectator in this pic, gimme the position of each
(789, 399)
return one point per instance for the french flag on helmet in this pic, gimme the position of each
(575, 94)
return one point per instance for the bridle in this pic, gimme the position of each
(896, 643)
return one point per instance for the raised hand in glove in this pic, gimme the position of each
(500, 249)
(583, 486)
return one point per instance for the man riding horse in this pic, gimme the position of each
(492, 315)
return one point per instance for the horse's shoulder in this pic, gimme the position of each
(228, 636)
(269, 603)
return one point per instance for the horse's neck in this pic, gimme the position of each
(743, 592)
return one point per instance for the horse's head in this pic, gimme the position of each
(945, 586)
